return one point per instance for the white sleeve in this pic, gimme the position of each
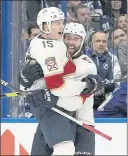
(56, 67)
(85, 66)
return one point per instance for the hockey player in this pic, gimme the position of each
(73, 39)
(57, 69)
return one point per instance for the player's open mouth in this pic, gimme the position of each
(60, 33)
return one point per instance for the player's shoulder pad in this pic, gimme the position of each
(88, 63)
(34, 41)
(87, 58)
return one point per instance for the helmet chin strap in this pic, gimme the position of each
(78, 55)
(49, 32)
(79, 52)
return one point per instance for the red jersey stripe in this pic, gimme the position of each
(84, 97)
(57, 81)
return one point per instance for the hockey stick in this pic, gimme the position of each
(68, 116)
(12, 94)
(92, 129)
(101, 107)
(20, 93)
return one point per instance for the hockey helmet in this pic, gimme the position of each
(47, 15)
(76, 29)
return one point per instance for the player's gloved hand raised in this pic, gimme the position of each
(42, 97)
(93, 84)
(30, 73)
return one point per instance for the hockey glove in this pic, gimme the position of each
(93, 83)
(42, 97)
(30, 73)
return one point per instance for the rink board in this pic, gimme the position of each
(17, 136)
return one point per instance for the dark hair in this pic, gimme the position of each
(81, 6)
(32, 26)
(112, 33)
(108, 8)
(117, 29)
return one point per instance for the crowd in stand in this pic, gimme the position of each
(106, 26)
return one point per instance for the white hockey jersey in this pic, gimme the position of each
(84, 67)
(59, 70)
(63, 76)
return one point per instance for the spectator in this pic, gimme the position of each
(94, 5)
(27, 36)
(117, 106)
(32, 31)
(118, 36)
(122, 22)
(112, 11)
(122, 56)
(82, 14)
(114, 8)
(103, 60)
(71, 4)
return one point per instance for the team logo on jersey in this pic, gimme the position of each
(51, 63)
(105, 66)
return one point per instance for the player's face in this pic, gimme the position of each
(118, 37)
(99, 42)
(73, 43)
(57, 29)
(123, 23)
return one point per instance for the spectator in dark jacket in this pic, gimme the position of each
(32, 31)
(99, 54)
(117, 106)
